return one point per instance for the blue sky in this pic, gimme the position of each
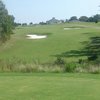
(42, 10)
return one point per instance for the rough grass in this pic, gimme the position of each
(46, 86)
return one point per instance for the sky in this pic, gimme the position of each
(26, 11)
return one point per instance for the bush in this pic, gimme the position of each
(59, 61)
(70, 67)
(80, 61)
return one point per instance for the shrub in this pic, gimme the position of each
(59, 61)
(70, 67)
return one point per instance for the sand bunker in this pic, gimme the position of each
(36, 36)
(71, 28)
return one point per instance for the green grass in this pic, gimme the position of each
(23, 54)
(49, 86)
(58, 41)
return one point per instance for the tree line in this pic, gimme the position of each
(95, 18)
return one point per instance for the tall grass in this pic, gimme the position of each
(16, 65)
(19, 65)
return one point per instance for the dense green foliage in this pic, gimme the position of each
(6, 23)
(95, 18)
(83, 18)
(73, 18)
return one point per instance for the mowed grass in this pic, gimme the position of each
(44, 50)
(49, 86)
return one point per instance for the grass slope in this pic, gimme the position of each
(58, 41)
(49, 86)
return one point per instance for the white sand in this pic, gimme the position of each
(36, 36)
(67, 28)
(71, 28)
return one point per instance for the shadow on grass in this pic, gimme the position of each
(91, 48)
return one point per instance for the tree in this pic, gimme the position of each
(24, 24)
(96, 18)
(42, 23)
(6, 23)
(83, 18)
(73, 18)
(90, 19)
(30, 23)
(17, 24)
